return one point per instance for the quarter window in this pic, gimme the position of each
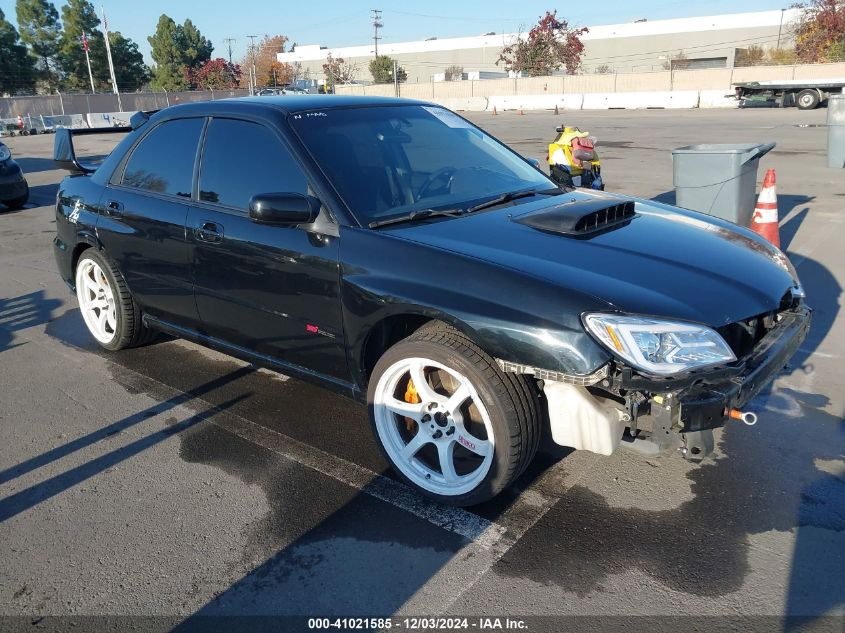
(241, 159)
(164, 159)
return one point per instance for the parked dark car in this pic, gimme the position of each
(14, 190)
(397, 254)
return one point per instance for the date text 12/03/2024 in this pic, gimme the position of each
(419, 623)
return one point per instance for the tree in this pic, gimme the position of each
(215, 74)
(17, 71)
(40, 30)
(604, 69)
(78, 17)
(751, 56)
(381, 68)
(338, 71)
(195, 48)
(550, 45)
(781, 56)
(130, 70)
(820, 32)
(169, 71)
(678, 61)
(266, 62)
(454, 73)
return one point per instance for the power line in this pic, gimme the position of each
(377, 24)
(228, 41)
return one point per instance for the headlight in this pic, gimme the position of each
(657, 346)
(5, 154)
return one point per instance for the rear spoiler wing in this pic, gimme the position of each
(64, 154)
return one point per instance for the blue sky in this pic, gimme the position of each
(348, 22)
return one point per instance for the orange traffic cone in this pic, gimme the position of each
(494, 111)
(520, 112)
(764, 222)
(557, 112)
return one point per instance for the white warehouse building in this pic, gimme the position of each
(645, 45)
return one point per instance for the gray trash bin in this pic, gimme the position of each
(718, 179)
(836, 131)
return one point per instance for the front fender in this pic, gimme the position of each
(513, 317)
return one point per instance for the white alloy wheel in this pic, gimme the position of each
(443, 440)
(96, 301)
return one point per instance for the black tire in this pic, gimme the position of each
(18, 203)
(511, 401)
(807, 100)
(130, 330)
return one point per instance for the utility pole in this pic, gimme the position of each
(253, 80)
(377, 24)
(780, 27)
(228, 41)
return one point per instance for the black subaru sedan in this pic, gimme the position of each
(393, 252)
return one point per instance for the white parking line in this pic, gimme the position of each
(526, 510)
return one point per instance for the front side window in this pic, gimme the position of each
(163, 161)
(387, 160)
(241, 159)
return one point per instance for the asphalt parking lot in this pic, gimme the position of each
(172, 481)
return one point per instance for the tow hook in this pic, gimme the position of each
(747, 417)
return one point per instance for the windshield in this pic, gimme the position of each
(390, 160)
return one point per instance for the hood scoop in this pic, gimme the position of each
(580, 218)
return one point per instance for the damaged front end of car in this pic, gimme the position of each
(653, 407)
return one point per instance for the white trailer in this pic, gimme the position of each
(805, 94)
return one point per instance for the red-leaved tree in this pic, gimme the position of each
(550, 45)
(820, 33)
(214, 74)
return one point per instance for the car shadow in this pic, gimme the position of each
(326, 548)
(34, 165)
(22, 312)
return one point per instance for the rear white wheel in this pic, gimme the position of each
(96, 301)
(108, 309)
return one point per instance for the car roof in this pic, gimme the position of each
(286, 104)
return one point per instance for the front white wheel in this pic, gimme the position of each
(433, 426)
(449, 421)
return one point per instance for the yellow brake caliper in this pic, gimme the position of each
(411, 397)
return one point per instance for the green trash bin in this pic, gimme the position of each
(718, 178)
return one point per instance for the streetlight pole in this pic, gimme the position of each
(780, 27)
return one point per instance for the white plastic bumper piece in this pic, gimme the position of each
(582, 421)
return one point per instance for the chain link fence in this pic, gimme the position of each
(69, 104)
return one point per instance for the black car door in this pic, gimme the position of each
(271, 289)
(142, 227)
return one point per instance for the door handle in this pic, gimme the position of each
(114, 209)
(209, 232)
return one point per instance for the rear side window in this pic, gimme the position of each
(164, 159)
(241, 159)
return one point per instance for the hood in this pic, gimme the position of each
(664, 261)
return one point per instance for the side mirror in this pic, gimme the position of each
(534, 162)
(283, 209)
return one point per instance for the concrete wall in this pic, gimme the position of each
(660, 81)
